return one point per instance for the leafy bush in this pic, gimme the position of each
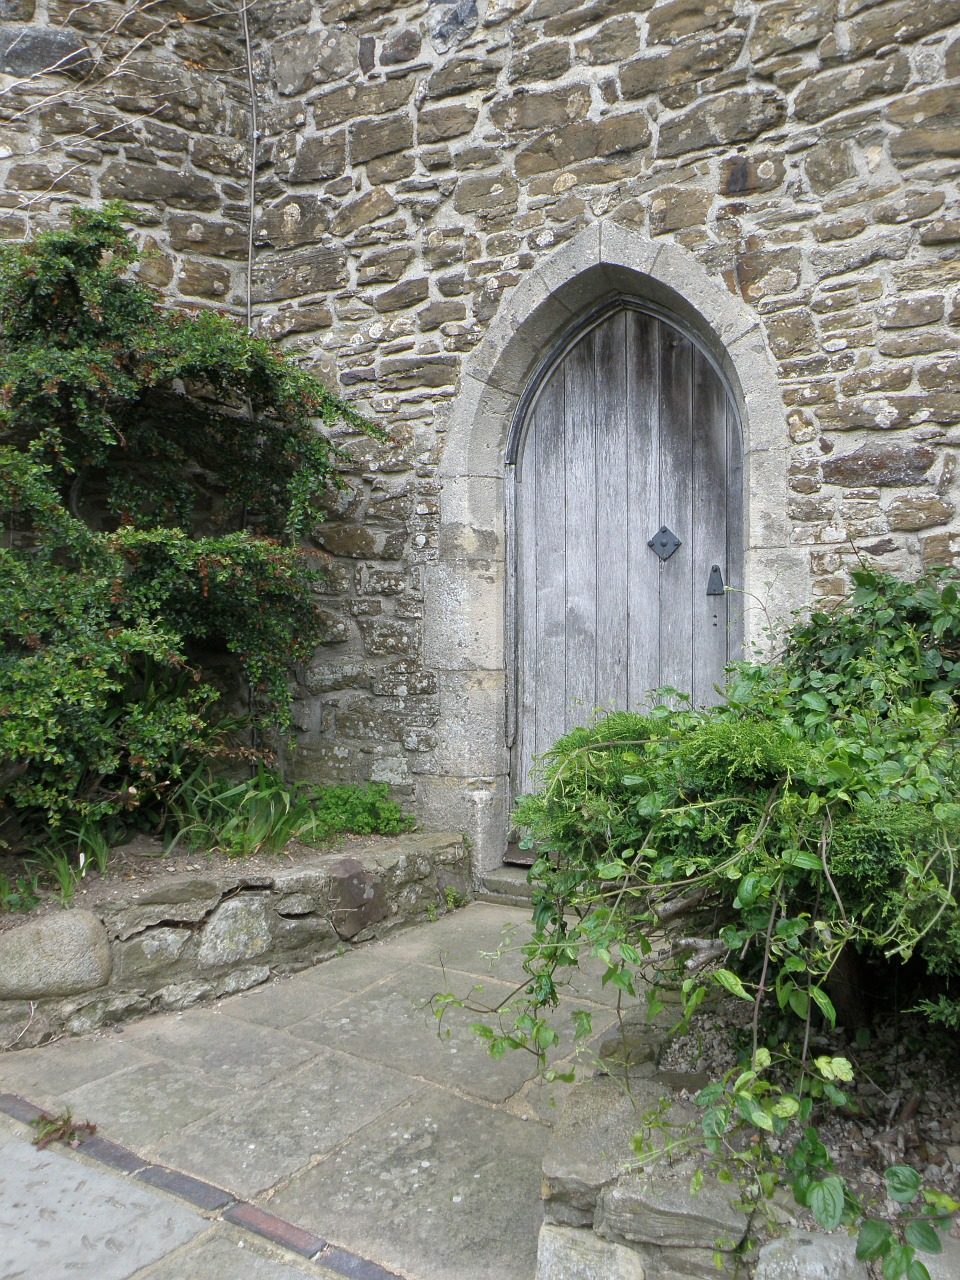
(782, 841)
(157, 469)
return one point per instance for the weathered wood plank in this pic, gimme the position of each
(708, 534)
(643, 512)
(613, 512)
(676, 498)
(549, 572)
(580, 521)
(735, 534)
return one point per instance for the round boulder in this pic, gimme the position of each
(62, 954)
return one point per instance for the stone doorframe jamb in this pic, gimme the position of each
(466, 629)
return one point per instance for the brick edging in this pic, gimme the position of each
(212, 1199)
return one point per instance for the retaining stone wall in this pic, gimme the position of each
(178, 939)
(421, 159)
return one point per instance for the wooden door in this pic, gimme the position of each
(631, 434)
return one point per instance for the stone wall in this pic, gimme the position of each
(174, 940)
(425, 165)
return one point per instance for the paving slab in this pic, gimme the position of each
(284, 1001)
(220, 1047)
(227, 1254)
(46, 1075)
(485, 941)
(140, 1106)
(389, 1024)
(62, 1218)
(265, 1135)
(441, 1188)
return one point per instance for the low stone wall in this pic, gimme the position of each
(175, 940)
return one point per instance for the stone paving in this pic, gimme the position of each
(325, 1099)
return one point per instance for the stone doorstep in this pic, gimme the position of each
(174, 941)
(212, 1200)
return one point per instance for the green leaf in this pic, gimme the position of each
(923, 1236)
(732, 984)
(803, 859)
(903, 1183)
(897, 1261)
(826, 1202)
(917, 1271)
(873, 1239)
(824, 1004)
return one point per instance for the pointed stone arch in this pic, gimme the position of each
(467, 629)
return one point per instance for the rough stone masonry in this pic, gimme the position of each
(429, 174)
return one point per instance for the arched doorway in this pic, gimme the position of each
(625, 480)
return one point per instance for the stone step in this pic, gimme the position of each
(507, 886)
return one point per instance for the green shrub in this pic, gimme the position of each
(157, 469)
(263, 813)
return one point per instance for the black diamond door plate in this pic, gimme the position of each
(664, 543)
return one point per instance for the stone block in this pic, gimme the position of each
(156, 951)
(372, 138)
(737, 116)
(357, 897)
(489, 193)
(656, 1208)
(799, 1255)
(785, 25)
(215, 236)
(684, 63)
(352, 101)
(590, 1146)
(370, 207)
(833, 91)
(144, 183)
(669, 22)
(298, 273)
(239, 929)
(294, 221)
(545, 60)
(61, 954)
(554, 108)
(385, 636)
(907, 313)
(197, 279)
(436, 124)
(31, 51)
(894, 25)
(884, 465)
(461, 75)
(318, 159)
(588, 140)
(564, 1253)
(400, 48)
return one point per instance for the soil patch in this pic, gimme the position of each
(904, 1100)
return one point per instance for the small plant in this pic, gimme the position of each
(21, 894)
(57, 867)
(454, 899)
(263, 814)
(60, 1128)
(359, 810)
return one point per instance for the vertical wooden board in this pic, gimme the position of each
(735, 535)
(676, 496)
(525, 612)
(642, 339)
(580, 425)
(613, 512)
(549, 575)
(708, 533)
